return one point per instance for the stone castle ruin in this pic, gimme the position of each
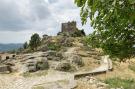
(70, 29)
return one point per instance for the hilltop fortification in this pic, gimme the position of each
(70, 29)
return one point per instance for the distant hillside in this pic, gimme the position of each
(9, 47)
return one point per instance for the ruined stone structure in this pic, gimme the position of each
(69, 27)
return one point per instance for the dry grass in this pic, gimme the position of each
(121, 70)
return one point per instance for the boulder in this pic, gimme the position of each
(39, 63)
(63, 66)
(55, 56)
(42, 64)
(5, 68)
(31, 67)
(77, 60)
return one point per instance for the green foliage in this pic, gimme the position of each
(25, 45)
(78, 33)
(118, 83)
(114, 24)
(35, 41)
(54, 46)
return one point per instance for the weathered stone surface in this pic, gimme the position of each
(39, 63)
(63, 66)
(42, 64)
(5, 68)
(66, 41)
(77, 60)
(55, 56)
(31, 67)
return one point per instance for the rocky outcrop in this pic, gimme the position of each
(76, 59)
(5, 68)
(53, 55)
(42, 64)
(35, 61)
(63, 66)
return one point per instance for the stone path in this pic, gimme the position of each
(106, 65)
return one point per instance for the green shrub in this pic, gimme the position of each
(78, 33)
(35, 41)
(54, 46)
(118, 82)
(25, 45)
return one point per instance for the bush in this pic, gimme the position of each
(78, 33)
(25, 45)
(35, 41)
(54, 46)
(118, 83)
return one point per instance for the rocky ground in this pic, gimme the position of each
(55, 68)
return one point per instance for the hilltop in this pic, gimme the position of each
(64, 61)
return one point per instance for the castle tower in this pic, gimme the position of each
(69, 27)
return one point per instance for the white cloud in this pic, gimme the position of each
(20, 18)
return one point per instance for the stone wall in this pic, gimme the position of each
(69, 27)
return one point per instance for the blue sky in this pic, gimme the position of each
(19, 19)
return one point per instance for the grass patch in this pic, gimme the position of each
(132, 67)
(118, 83)
(54, 46)
(38, 73)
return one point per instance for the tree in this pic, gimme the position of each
(25, 45)
(34, 41)
(114, 24)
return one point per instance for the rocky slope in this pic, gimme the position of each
(55, 68)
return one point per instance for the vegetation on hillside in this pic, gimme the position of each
(114, 25)
(120, 83)
(25, 45)
(35, 41)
